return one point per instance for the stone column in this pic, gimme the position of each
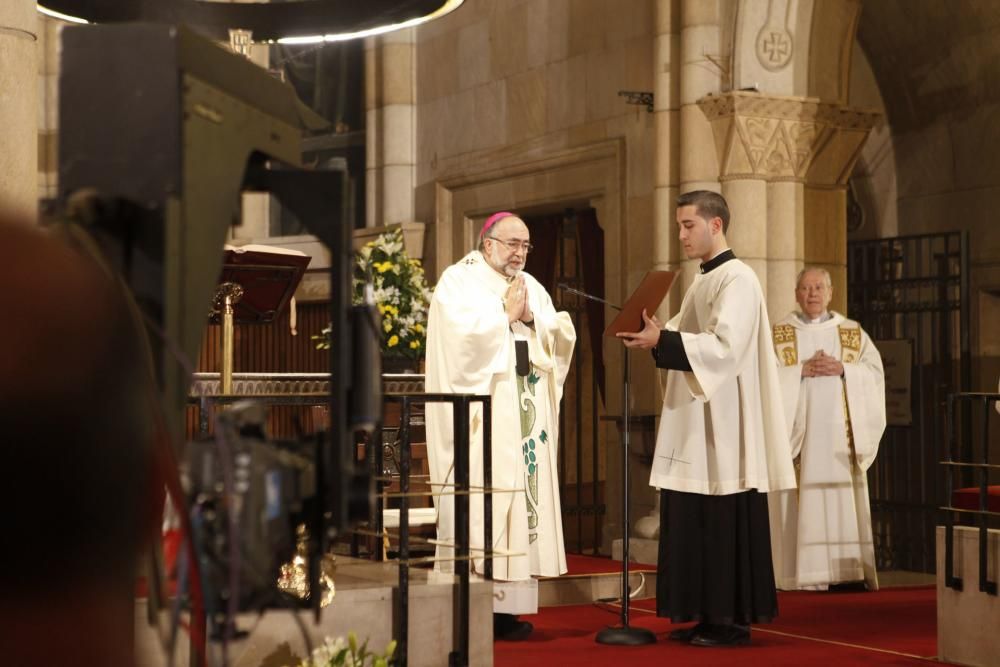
(785, 161)
(785, 250)
(48, 50)
(699, 166)
(19, 108)
(748, 233)
(390, 133)
(701, 74)
(667, 121)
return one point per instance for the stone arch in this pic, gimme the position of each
(935, 68)
(787, 139)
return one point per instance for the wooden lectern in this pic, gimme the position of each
(256, 284)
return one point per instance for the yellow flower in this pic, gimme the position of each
(382, 267)
(393, 341)
(419, 328)
(387, 325)
(414, 344)
(381, 309)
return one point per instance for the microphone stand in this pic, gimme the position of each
(623, 635)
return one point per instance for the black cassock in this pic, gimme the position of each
(714, 563)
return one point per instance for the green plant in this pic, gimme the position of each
(340, 653)
(401, 294)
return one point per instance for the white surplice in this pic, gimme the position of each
(821, 534)
(470, 350)
(722, 429)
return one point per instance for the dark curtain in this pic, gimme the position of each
(592, 261)
(544, 260)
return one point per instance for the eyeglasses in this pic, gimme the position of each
(514, 246)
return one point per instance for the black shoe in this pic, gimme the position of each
(722, 636)
(508, 628)
(686, 634)
(848, 587)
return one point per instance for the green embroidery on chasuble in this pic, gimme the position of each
(527, 405)
(526, 387)
(531, 462)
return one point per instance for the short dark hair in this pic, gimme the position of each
(707, 205)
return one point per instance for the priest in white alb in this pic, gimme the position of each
(722, 443)
(834, 397)
(492, 329)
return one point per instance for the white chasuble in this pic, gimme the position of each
(722, 429)
(470, 350)
(821, 533)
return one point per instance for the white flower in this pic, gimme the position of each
(323, 655)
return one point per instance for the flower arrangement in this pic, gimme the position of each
(340, 653)
(401, 294)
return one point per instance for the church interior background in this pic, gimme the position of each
(857, 135)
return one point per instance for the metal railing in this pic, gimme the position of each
(459, 657)
(461, 404)
(961, 439)
(915, 290)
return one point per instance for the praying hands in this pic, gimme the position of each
(822, 364)
(516, 301)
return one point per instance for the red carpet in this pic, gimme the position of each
(578, 565)
(891, 627)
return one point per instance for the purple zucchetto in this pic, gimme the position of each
(493, 219)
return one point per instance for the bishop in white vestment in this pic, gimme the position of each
(722, 443)
(483, 309)
(834, 397)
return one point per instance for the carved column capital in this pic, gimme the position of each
(786, 138)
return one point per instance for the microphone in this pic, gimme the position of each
(567, 288)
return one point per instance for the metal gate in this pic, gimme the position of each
(914, 290)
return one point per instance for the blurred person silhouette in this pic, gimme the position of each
(77, 428)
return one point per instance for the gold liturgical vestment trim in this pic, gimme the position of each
(785, 345)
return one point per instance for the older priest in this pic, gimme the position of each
(492, 329)
(721, 443)
(834, 395)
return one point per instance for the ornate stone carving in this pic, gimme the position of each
(786, 138)
(774, 48)
(294, 384)
(774, 45)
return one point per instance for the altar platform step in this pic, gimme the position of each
(595, 579)
(364, 603)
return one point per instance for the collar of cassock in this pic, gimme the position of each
(718, 260)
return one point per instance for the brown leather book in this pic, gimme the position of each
(647, 296)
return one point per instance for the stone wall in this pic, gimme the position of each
(937, 77)
(504, 85)
(874, 179)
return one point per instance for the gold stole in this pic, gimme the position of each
(785, 344)
(850, 350)
(850, 343)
